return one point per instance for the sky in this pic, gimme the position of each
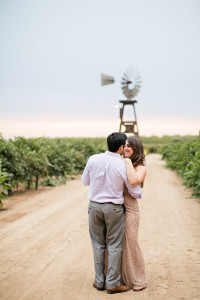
(53, 51)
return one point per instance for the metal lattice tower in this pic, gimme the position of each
(131, 126)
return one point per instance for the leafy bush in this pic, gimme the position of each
(48, 161)
(153, 144)
(184, 155)
(4, 186)
(29, 160)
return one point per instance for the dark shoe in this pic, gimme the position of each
(98, 288)
(139, 289)
(119, 289)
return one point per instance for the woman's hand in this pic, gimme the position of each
(127, 160)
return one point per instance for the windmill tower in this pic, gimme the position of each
(131, 83)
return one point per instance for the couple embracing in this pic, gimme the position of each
(115, 185)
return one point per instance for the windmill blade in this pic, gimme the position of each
(131, 76)
(137, 86)
(125, 75)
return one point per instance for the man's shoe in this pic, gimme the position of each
(98, 288)
(119, 289)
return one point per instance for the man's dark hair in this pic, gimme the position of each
(115, 140)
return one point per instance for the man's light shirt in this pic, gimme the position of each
(105, 173)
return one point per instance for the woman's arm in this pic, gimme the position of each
(135, 176)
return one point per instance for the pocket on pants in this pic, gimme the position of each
(118, 209)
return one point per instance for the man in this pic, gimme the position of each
(105, 173)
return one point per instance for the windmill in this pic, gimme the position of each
(131, 84)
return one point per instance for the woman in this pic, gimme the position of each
(133, 268)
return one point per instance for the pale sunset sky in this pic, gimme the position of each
(53, 51)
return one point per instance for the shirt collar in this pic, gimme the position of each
(113, 154)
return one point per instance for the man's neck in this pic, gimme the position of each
(120, 150)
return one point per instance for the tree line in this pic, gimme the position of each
(30, 161)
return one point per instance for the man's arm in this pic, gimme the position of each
(85, 176)
(134, 191)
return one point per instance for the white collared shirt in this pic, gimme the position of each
(105, 173)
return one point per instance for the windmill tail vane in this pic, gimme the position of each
(106, 79)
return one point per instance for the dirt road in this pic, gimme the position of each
(46, 251)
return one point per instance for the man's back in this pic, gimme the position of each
(105, 174)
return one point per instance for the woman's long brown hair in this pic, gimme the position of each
(138, 156)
